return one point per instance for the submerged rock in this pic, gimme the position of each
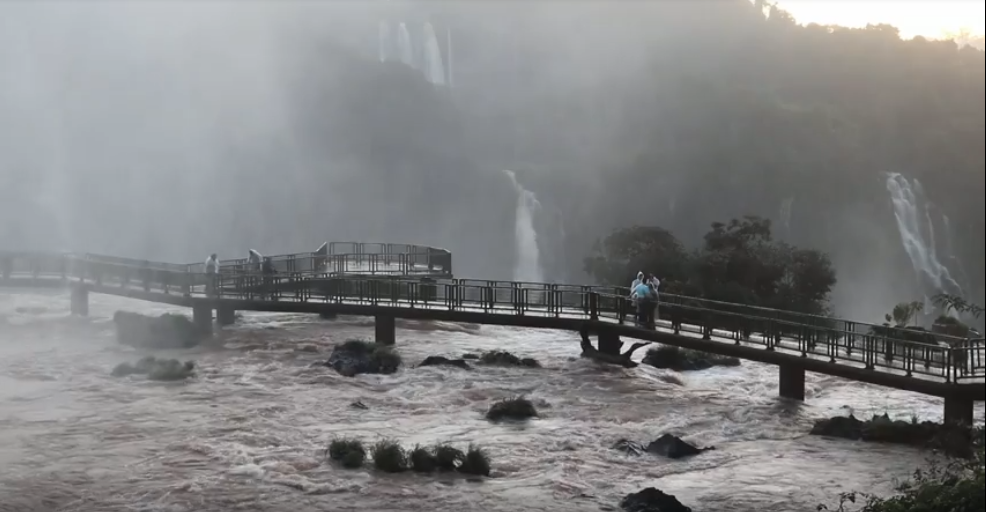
(955, 440)
(444, 361)
(168, 331)
(669, 446)
(167, 370)
(652, 500)
(516, 409)
(355, 357)
(502, 358)
(682, 360)
(674, 447)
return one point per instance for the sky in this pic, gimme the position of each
(931, 19)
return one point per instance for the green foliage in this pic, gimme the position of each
(423, 460)
(904, 312)
(348, 452)
(739, 262)
(952, 303)
(448, 457)
(957, 486)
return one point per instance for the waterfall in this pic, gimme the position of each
(917, 233)
(528, 264)
(404, 46)
(448, 40)
(434, 69)
(383, 41)
(785, 213)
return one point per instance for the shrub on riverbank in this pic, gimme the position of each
(516, 408)
(956, 487)
(684, 360)
(476, 462)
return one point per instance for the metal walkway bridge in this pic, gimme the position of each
(389, 281)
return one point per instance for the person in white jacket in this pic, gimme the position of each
(638, 281)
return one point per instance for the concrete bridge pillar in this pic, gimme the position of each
(225, 315)
(958, 410)
(609, 342)
(79, 301)
(792, 382)
(385, 327)
(202, 318)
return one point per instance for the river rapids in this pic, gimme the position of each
(250, 431)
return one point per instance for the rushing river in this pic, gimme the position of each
(248, 433)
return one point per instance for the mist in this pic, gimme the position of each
(170, 130)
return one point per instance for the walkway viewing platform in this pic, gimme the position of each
(390, 281)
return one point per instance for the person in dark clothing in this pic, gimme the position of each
(268, 270)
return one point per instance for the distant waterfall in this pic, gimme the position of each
(785, 213)
(434, 68)
(384, 42)
(404, 45)
(917, 232)
(418, 49)
(528, 264)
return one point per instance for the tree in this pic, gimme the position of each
(903, 313)
(952, 303)
(739, 262)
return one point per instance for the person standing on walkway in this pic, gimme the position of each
(211, 274)
(642, 295)
(655, 284)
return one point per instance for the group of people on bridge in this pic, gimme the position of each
(644, 293)
(255, 263)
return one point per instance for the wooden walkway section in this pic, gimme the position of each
(388, 281)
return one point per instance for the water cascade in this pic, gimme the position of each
(917, 233)
(405, 47)
(528, 264)
(383, 41)
(434, 68)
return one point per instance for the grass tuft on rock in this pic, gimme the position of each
(348, 452)
(476, 462)
(448, 457)
(390, 457)
(423, 460)
(517, 409)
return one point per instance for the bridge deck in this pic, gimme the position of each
(830, 346)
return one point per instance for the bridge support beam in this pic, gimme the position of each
(958, 410)
(609, 343)
(79, 301)
(225, 315)
(385, 328)
(792, 382)
(202, 318)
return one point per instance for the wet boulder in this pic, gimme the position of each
(673, 447)
(512, 409)
(165, 370)
(502, 358)
(168, 331)
(355, 357)
(652, 500)
(444, 361)
(683, 360)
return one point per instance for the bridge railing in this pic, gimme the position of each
(36, 264)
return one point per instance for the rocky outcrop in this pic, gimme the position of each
(168, 331)
(514, 409)
(624, 359)
(444, 361)
(682, 360)
(355, 357)
(955, 440)
(652, 500)
(166, 370)
(672, 447)
(502, 358)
